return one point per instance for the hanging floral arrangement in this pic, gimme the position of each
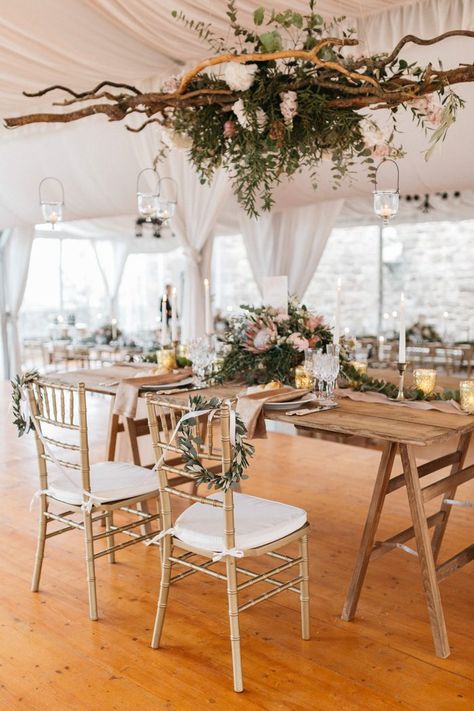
(283, 95)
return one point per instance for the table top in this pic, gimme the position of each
(363, 419)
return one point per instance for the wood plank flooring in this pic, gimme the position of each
(51, 655)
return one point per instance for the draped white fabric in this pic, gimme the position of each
(15, 260)
(111, 258)
(194, 223)
(290, 243)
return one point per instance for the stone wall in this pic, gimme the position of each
(432, 262)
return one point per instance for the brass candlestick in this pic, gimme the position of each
(401, 369)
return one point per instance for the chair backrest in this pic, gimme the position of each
(168, 435)
(60, 417)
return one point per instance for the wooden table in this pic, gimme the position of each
(401, 429)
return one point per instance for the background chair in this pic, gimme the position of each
(223, 526)
(91, 493)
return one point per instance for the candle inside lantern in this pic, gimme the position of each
(207, 308)
(174, 316)
(337, 326)
(402, 335)
(466, 391)
(380, 353)
(164, 324)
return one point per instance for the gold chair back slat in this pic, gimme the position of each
(57, 428)
(161, 415)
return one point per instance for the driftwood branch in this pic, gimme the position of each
(344, 88)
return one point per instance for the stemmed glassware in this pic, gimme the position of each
(201, 355)
(325, 370)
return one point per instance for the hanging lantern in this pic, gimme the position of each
(386, 201)
(168, 200)
(52, 209)
(148, 201)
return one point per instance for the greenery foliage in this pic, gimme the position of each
(292, 113)
(19, 384)
(189, 443)
(264, 344)
(364, 383)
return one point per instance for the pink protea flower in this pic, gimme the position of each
(434, 116)
(259, 337)
(312, 321)
(229, 129)
(299, 342)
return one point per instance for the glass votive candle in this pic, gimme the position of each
(182, 351)
(303, 379)
(466, 391)
(424, 379)
(360, 366)
(166, 359)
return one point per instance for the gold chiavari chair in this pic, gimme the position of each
(91, 492)
(224, 526)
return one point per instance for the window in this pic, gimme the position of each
(233, 283)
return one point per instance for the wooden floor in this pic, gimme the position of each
(52, 656)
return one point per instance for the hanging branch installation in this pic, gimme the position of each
(287, 95)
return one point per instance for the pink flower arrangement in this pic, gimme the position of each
(299, 342)
(312, 321)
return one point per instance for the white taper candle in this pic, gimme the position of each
(402, 335)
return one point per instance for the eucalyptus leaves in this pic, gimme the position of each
(19, 384)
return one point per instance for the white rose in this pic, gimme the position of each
(288, 105)
(239, 110)
(239, 77)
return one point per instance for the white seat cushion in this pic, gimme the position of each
(257, 522)
(110, 481)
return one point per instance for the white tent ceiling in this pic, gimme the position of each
(81, 42)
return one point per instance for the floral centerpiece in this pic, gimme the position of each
(265, 343)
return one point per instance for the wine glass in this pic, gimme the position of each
(318, 372)
(201, 356)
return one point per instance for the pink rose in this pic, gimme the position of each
(281, 317)
(229, 129)
(434, 116)
(382, 150)
(299, 342)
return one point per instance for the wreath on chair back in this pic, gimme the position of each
(189, 443)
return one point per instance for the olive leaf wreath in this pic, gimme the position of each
(18, 384)
(189, 442)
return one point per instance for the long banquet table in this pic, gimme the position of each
(401, 429)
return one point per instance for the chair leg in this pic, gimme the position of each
(109, 522)
(164, 590)
(43, 522)
(234, 623)
(90, 563)
(304, 588)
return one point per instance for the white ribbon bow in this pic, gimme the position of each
(233, 552)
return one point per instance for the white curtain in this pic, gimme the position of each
(111, 257)
(289, 243)
(15, 260)
(194, 223)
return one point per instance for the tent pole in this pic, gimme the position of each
(380, 284)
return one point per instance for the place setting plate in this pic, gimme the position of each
(181, 384)
(291, 404)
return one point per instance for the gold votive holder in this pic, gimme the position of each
(303, 379)
(360, 366)
(166, 358)
(466, 392)
(424, 379)
(182, 351)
